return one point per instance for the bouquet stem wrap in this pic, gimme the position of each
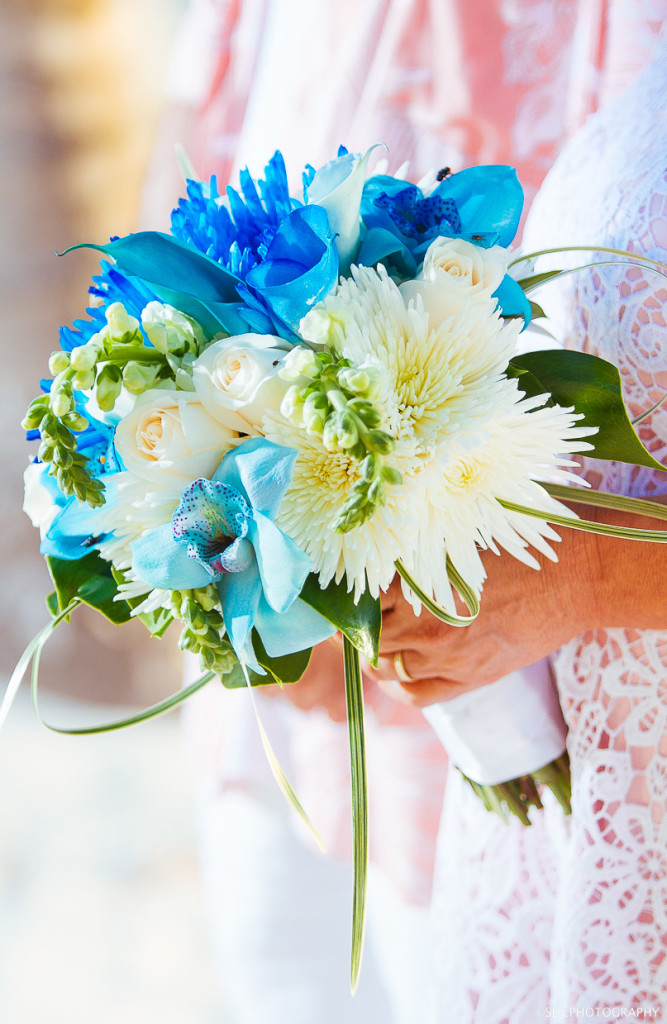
(511, 728)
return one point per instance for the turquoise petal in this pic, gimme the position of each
(513, 300)
(301, 628)
(240, 594)
(165, 564)
(489, 200)
(259, 469)
(283, 566)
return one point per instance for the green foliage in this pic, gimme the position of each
(593, 386)
(360, 623)
(91, 580)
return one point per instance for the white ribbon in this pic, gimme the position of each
(502, 731)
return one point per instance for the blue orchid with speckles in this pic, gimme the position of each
(223, 532)
(481, 205)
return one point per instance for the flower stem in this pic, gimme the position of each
(354, 695)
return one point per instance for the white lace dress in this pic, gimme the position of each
(569, 918)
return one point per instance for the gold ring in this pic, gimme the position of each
(400, 669)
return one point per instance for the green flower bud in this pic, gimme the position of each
(120, 322)
(369, 467)
(58, 362)
(45, 451)
(109, 384)
(61, 404)
(348, 435)
(291, 406)
(366, 411)
(330, 433)
(299, 362)
(139, 377)
(169, 330)
(391, 475)
(35, 414)
(62, 458)
(380, 441)
(354, 380)
(74, 421)
(377, 494)
(84, 357)
(84, 380)
(206, 597)
(314, 412)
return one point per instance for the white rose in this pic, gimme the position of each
(170, 434)
(455, 274)
(38, 503)
(238, 378)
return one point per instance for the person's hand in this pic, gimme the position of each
(525, 614)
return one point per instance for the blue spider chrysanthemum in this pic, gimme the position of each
(238, 232)
(110, 285)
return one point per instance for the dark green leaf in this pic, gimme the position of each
(91, 580)
(593, 386)
(528, 283)
(360, 623)
(536, 310)
(287, 669)
(52, 604)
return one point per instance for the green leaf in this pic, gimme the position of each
(123, 723)
(287, 669)
(354, 694)
(52, 603)
(529, 283)
(360, 623)
(157, 622)
(89, 579)
(593, 386)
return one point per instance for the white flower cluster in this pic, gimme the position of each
(437, 349)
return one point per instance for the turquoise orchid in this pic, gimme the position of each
(479, 204)
(223, 532)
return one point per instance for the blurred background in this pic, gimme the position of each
(101, 915)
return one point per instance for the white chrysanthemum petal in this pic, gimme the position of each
(136, 508)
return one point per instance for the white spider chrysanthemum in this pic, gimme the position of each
(321, 484)
(526, 443)
(437, 388)
(466, 439)
(439, 371)
(134, 508)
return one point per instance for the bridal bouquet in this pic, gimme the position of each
(290, 398)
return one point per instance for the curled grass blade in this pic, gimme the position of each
(283, 782)
(468, 596)
(604, 529)
(636, 257)
(32, 651)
